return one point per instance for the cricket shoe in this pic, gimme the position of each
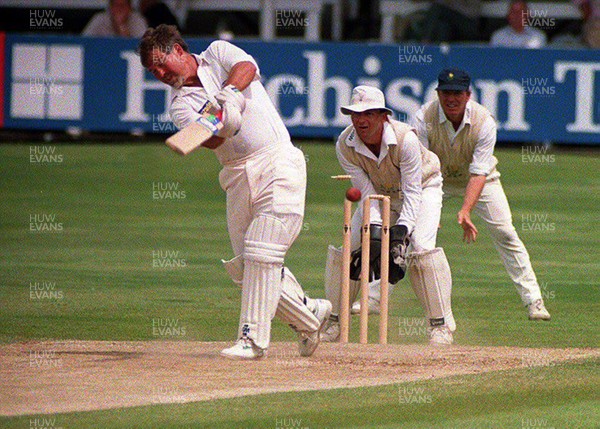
(440, 336)
(331, 330)
(244, 349)
(537, 310)
(373, 307)
(309, 341)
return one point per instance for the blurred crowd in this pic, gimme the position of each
(438, 21)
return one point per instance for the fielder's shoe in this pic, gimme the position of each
(309, 341)
(331, 331)
(537, 310)
(373, 307)
(244, 349)
(440, 336)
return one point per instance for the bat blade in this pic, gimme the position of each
(197, 133)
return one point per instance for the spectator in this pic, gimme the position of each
(590, 10)
(516, 34)
(156, 13)
(118, 20)
(448, 21)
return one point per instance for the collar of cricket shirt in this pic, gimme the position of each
(388, 138)
(466, 119)
(208, 83)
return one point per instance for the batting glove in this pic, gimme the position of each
(232, 121)
(231, 96)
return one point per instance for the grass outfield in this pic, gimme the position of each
(104, 280)
(562, 396)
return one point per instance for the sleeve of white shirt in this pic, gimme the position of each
(182, 114)
(228, 55)
(482, 162)
(360, 180)
(418, 123)
(412, 173)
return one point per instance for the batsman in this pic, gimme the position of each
(384, 156)
(263, 175)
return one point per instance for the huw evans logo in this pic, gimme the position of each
(44, 223)
(537, 155)
(413, 54)
(538, 19)
(167, 191)
(413, 395)
(538, 86)
(290, 18)
(44, 423)
(44, 155)
(167, 259)
(167, 327)
(39, 291)
(44, 19)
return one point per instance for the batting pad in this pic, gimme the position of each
(333, 277)
(292, 308)
(333, 280)
(431, 280)
(265, 246)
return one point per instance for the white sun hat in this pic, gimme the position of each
(365, 98)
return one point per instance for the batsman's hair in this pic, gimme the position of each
(162, 38)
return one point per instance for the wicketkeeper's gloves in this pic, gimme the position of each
(399, 241)
(374, 256)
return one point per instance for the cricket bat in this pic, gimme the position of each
(197, 133)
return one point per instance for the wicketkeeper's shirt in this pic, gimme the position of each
(401, 170)
(261, 124)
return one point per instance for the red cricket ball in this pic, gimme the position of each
(353, 194)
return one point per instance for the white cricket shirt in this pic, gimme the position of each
(261, 124)
(483, 162)
(410, 169)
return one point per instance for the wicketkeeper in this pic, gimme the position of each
(384, 156)
(264, 177)
(462, 133)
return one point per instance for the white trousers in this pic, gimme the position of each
(265, 210)
(494, 210)
(271, 183)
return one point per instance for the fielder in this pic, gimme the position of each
(263, 175)
(383, 156)
(462, 133)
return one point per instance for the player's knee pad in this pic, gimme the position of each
(431, 280)
(267, 241)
